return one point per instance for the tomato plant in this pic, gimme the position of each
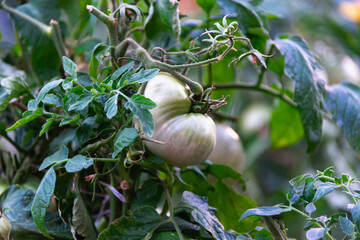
(108, 112)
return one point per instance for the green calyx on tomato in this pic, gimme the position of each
(190, 136)
(205, 104)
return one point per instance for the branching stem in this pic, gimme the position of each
(149, 62)
(263, 69)
(261, 88)
(111, 25)
(306, 216)
(172, 212)
(57, 38)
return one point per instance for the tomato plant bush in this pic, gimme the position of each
(121, 119)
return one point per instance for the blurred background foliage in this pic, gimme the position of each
(331, 27)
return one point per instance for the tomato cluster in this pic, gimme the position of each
(190, 137)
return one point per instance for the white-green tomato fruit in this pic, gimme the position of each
(228, 149)
(190, 136)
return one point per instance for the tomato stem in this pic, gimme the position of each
(172, 211)
(149, 62)
(261, 88)
(263, 69)
(111, 25)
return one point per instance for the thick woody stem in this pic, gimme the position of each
(110, 22)
(57, 38)
(149, 62)
(260, 88)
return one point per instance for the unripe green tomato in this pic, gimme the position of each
(228, 149)
(190, 136)
(4, 229)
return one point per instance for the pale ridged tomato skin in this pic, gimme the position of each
(191, 137)
(228, 149)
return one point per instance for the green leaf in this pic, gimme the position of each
(53, 99)
(277, 65)
(41, 10)
(69, 67)
(343, 101)
(67, 84)
(230, 207)
(115, 77)
(123, 80)
(7, 70)
(65, 189)
(44, 58)
(81, 220)
(42, 200)
(203, 214)
(143, 101)
(78, 163)
(323, 189)
(5, 98)
(57, 157)
(147, 190)
(148, 194)
(34, 114)
(206, 5)
(47, 88)
(285, 126)
(14, 84)
(84, 79)
(165, 236)
(264, 211)
(143, 76)
(81, 103)
(355, 213)
(123, 139)
(310, 208)
(315, 233)
(99, 51)
(161, 24)
(222, 172)
(309, 191)
(65, 137)
(111, 106)
(347, 226)
(140, 110)
(138, 226)
(68, 121)
(300, 65)
(263, 234)
(47, 124)
(83, 134)
(16, 208)
(297, 186)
